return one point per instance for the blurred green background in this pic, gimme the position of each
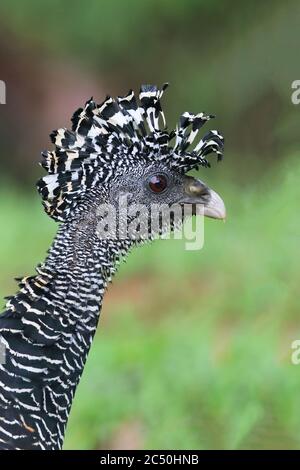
(194, 348)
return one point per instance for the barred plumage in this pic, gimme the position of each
(49, 325)
(118, 132)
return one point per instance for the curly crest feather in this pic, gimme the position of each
(114, 135)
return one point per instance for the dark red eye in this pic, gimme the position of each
(158, 183)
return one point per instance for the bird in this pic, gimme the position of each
(119, 149)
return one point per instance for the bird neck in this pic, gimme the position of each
(54, 318)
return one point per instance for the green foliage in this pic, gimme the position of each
(110, 28)
(193, 349)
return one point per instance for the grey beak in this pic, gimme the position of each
(215, 207)
(210, 203)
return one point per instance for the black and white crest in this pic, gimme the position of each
(113, 136)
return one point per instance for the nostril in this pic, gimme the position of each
(196, 188)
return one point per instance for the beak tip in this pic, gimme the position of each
(215, 208)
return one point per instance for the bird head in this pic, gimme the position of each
(120, 154)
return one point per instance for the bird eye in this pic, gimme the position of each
(158, 183)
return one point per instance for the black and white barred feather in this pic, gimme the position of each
(49, 325)
(118, 133)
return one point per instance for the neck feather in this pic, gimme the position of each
(47, 332)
